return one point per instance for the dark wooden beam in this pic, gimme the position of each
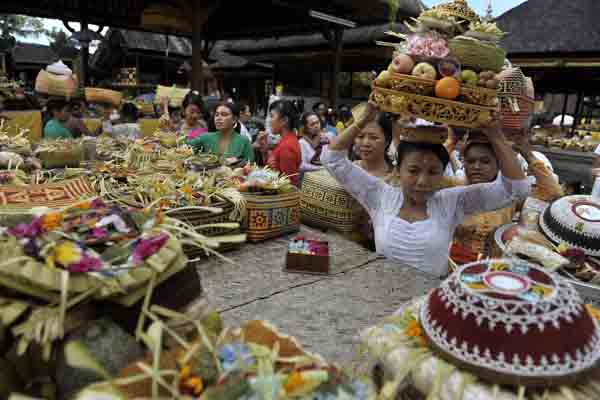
(338, 48)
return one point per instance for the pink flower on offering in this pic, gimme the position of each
(148, 247)
(197, 132)
(86, 264)
(31, 230)
(98, 203)
(99, 233)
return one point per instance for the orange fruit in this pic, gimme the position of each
(447, 88)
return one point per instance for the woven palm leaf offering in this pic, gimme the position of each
(89, 251)
(495, 329)
(254, 361)
(272, 202)
(60, 153)
(196, 200)
(445, 70)
(18, 144)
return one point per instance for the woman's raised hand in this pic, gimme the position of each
(368, 114)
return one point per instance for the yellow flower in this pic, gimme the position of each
(185, 372)
(67, 253)
(84, 205)
(50, 261)
(563, 247)
(293, 382)
(595, 313)
(51, 220)
(195, 384)
(414, 330)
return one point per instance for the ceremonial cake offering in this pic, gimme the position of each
(575, 221)
(511, 322)
(516, 95)
(446, 72)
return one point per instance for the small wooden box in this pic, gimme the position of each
(317, 264)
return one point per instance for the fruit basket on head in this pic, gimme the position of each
(445, 70)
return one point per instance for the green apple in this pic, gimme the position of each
(425, 71)
(469, 77)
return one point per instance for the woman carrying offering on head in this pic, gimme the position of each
(481, 165)
(415, 221)
(225, 142)
(287, 156)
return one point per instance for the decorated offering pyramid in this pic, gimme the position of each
(511, 322)
(449, 70)
(575, 221)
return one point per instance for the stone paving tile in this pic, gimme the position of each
(260, 274)
(327, 315)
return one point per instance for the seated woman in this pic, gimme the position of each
(129, 128)
(193, 123)
(310, 143)
(60, 112)
(226, 142)
(481, 166)
(414, 222)
(287, 156)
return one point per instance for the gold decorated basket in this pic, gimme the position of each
(432, 108)
(426, 87)
(324, 203)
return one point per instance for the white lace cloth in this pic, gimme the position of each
(423, 244)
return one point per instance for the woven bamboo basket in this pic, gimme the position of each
(97, 95)
(477, 54)
(56, 85)
(432, 108)
(324, 203)
(62, 158)
(271, 215)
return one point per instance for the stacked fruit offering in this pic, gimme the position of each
(447, 70)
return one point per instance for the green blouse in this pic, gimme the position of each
(239, 147)
(55, 129)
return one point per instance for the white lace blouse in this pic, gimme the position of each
(422, 244)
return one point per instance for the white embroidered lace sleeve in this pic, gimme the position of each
(364, 187)
(484, 197)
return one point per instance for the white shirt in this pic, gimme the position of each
(597, 151)
(244, 132)
(308, 153)
(424, 245)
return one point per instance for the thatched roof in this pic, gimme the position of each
(552, 26)
(180, 48)
(225, 19)
(363, 36)
(31, 53)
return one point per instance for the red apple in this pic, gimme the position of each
(402, 64)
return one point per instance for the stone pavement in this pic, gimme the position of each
(324, 312)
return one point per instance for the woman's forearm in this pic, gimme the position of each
(346, 139)
(507, 158)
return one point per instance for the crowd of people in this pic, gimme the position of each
(423, 201)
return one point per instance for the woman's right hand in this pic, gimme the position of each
(368, 115)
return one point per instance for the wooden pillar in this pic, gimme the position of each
(577, 115)
(84, 55)
(337, 44)
(198, 20)
(564, 110)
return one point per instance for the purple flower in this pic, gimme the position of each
(86, 264)
(99, 233)
(31, 248)
(32, 230)
(98, 203)
(148, 247)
